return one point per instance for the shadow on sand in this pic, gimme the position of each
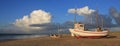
(110, 36)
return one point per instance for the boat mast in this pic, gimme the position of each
(58, 29)
(102, 22)
(97, 24)
(75, 16)
(91, 20)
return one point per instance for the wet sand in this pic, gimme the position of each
(65, 40)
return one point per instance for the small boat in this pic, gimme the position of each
(80, 32)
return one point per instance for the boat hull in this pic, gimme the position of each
(88, 34)
(78, 37)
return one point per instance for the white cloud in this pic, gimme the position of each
(36, 17)
(81, 11)
(71, 10)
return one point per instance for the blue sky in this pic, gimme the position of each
(10, 10)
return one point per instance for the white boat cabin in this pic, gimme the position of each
(79, 26)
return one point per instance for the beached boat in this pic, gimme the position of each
(80, 32)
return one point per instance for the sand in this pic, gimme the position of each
(65, 40)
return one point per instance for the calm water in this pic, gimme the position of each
(23, 36)
(18, 36)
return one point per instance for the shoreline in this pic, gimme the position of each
(65, 40)
(18, 37)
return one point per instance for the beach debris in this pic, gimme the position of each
(54, 36)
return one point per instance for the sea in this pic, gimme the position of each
(12, 36)
(4, 37)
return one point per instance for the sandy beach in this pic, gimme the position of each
(65, 40)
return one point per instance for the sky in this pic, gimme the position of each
(26, 12)
(14, 9)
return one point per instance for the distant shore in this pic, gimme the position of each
(65, 40)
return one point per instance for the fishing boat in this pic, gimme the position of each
(79, 31)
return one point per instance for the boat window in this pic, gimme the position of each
(81, 25)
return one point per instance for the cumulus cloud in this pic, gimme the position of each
(81, 11)
(36, 17)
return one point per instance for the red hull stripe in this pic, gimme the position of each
(78, 37)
